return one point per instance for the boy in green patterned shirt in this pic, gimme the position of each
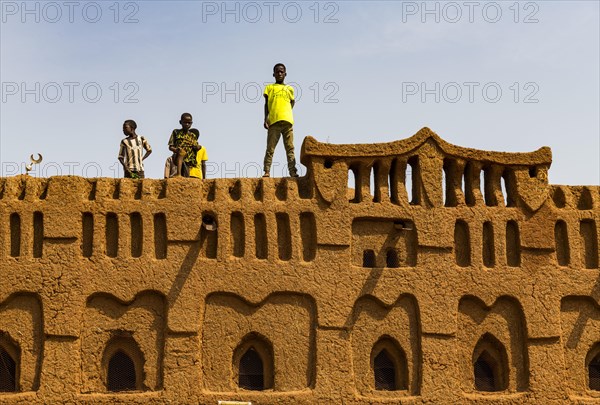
(184, 145)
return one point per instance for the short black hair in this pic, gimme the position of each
(279, 64)
(131, 123)
(186, 115)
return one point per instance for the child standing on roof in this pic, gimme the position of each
(279, 120)
(184, 145)
(198, 172)
(130, 151)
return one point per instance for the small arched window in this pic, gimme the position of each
(390, 369)
(254, 361)
(392, 260)
(121, 373)
(385, 372)
(15, 235)
(488, 246)
(594, 369)
(561, 241)
(462, 244)
(252, 374)
(513, 244)
(485, 379)
(369, 258)
(10, 356)
(8, 372)
(490, 364)
(123, 363)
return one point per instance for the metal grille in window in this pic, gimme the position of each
(121, 373)
(368, 258)
(8, 372)
(385, 372)
(594, 374)
(392, 260)
(251, 371)
(484, 376)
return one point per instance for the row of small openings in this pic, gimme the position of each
(393, 258)
(256, 372)
(114, 189)
(112, 235)
(238, 236)
(308, 236)
(462, 244)
(491, 367)
(411, 181)
(585, 200)
(399, 250)
(452, 180)
(281, 190)
(41, 192)
(496, 184)
(390, 367)
(589, 242)
(255, 368)
(16, 249)
(124, 367)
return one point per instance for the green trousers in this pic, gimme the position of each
(275, 131)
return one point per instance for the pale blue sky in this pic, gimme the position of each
(361, 76)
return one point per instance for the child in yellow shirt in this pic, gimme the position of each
(279, 120)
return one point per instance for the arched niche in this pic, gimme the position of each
(123, 365)
(490, 365)
(389, 365)
(253, 363)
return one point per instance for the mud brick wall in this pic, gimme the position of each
(462, 274)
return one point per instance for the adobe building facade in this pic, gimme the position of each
(442, 274)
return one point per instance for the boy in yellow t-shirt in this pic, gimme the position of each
(279, 120)
(199, 171)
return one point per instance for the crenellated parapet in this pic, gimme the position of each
(437, 261)
(427, 171)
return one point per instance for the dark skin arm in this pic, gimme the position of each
(196, 148)
(266, 122)
(148, 152)
(125, 169)
(174, 148)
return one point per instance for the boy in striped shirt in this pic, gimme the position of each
(130, 151)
